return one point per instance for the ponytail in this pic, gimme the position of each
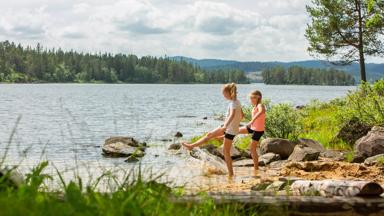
(231, 89)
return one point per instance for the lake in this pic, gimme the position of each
(68, 123)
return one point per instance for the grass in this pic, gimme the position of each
(138, 197)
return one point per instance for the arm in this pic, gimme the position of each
(261, 111)
(229, 119)
(242, 113)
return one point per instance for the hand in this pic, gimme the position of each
(249, 124)
(224, 128)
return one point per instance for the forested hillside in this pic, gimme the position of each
(306, 76)
(374, 71)
(27, 64)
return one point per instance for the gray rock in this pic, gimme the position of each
(277, 164)
(277, 186)
(174, 146)
(358, 159)
(372, 144)
(353, 130)
(235, 153)
(122, 147)
(178, 134)
(304, 153)
(212, 149)
(243, 163)
(260, 187)
(268, 158)
(11, 177)
(282, 147)
(375, 160)
(332, 154)
(312, 144)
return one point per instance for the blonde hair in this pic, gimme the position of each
(258, 95)
(231, 89)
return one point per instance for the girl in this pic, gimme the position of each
(256, 126)
(229, 129)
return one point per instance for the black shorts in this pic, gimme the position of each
(229, 136)
(256, 135)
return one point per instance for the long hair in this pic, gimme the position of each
(257, 94)
(231, 89)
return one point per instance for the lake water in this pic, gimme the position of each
(67, 123)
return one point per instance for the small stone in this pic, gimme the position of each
(375, 160)
(132, 159)
(174, 146)
(312, 144)
(277, 186)
(261, 186)
(268, 158)
(178, 134)
(243, 163)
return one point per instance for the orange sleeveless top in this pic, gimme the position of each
(259, 123)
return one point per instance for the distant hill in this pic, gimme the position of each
(374, 71)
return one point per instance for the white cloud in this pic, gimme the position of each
(227, 29)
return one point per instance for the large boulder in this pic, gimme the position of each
(312, 144)
(212, 149)
(352, 131)
(372, 144)
(304, 153)
(282, 147)
(123, 147)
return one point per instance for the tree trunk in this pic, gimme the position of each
(361, 42)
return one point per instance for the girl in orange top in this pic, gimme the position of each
(256, 126)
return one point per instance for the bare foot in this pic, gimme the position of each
(188, 146)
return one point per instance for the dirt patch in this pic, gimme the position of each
(318, 170)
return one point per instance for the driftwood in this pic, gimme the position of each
(328, 188)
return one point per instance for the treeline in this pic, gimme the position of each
(306, 76)
(26, 64)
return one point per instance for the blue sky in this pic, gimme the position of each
(269, 30)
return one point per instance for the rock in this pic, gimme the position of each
(353, 130)
(212, 149)
(332, 154)
(375, 160)
(304, 153)
(205, 118)
(122, 147)
(243, 163)
(282, 147)
(132, 159)
(178, 134)
(174, 146)
(277, 164)
(299, 107)
(260, 187)
(358, 159)
(312, 144)
(372, 144)
(268, 158)
(277, 186)
(11, 177)
(235, 153)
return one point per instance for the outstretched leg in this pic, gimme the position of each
(227, 155)
(255, 157)
(211, 135)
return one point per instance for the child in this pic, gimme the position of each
(229, 129)
(256, 126)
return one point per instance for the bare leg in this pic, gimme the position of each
(243, 130)
(227, 155)
(211, 135)
(255, 157)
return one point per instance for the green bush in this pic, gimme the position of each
(367, 103)
(283, 121)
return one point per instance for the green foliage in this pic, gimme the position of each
(283, 121)
(137, 197)
(349, 156)
(322, 122)
(19, 64)
(346, 30)
(306, 76)
(367, 103)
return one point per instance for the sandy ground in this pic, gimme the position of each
(245, 177)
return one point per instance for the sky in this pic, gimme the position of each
(244, 30)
